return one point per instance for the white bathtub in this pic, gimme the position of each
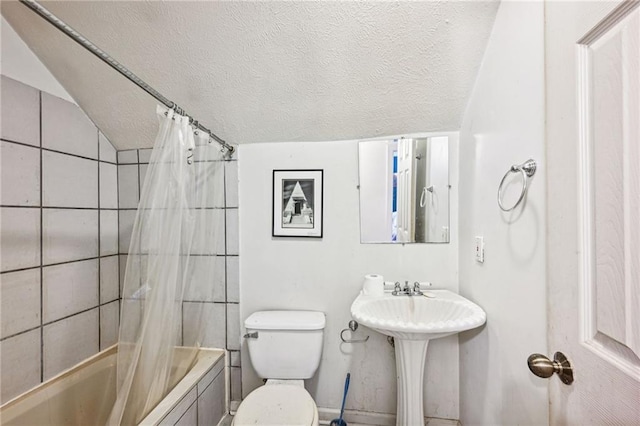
(85, 394)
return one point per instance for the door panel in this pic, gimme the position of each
(406, 189)
(609, 118)
(593, 157)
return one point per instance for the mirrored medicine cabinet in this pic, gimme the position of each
(404, 190)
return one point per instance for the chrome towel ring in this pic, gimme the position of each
(528, 169)
(423, 196)
(353, 326)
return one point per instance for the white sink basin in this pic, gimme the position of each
(413, 321)
(418, 317)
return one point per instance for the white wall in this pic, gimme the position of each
(20, 63)
(326, 275)
(504, 125)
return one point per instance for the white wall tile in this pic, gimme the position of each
(66, 128)
(20, 242)
(234, 358)
(69, 288)
(69, 235)
(213, 319)
(122, 260)
(144, 155)
(208, 378)
(233, 279)
(20, 112)
(208, 152)
(20, 175)
(142, 173)
(209, 184)
(109, 278)
(109, 321)
(190, 417)
(108, 232)
(231, 183)
(206, 282)
(20, 302)
(127, 218)
(108, 186)
(210, 235)
(211, 403)
(232, 231)
(69, 181)
(107, 151)
(181, 407)
(236, 383)
(69, 341)
(233, 326)
(129, 156)
(128, 191)
(19, 364)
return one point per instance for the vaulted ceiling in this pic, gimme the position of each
(268, 71)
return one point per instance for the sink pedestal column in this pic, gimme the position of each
(410, 359)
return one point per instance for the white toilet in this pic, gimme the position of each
(285, 349)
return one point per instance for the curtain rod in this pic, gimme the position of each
(102, 55)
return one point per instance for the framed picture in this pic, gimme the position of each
(297, 203)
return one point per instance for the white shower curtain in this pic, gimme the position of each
(171, 238)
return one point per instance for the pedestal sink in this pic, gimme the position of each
(412, 321)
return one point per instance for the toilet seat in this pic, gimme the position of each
(288, 405)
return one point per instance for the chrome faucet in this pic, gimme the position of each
(397, 290)
(406, 291)
(416, 289)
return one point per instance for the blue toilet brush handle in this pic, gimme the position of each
(344, 397)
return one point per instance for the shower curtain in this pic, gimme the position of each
(170, 243)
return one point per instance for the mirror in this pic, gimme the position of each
(404, 190)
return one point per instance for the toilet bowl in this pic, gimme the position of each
(278, 404)
(285, 348)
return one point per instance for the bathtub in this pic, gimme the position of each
(85, 394)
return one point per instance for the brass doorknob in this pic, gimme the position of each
(543, 367)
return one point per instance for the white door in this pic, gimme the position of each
(406, 190)
(593, 234)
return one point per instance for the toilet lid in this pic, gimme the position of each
(277, 405)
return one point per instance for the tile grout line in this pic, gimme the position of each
(56, 151)
(226, 307)
(59, 319)
(224, 190)
(226, 287)
(99, 247)
(11, 206)
(41, 243)
(120, 284)
(56, 264)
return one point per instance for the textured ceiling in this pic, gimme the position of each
(268, 71)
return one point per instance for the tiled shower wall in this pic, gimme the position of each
(218, 295)
(59, 293)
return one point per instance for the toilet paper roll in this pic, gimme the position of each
(373, 285)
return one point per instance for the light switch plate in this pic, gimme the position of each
(480, 249)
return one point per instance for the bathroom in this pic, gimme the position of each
(298, 86)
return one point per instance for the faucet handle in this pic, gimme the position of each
(396, 289)
(416, 288)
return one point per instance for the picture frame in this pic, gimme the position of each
(298, 203)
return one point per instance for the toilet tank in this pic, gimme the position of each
(288, 344)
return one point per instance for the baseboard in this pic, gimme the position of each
(377, 419)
